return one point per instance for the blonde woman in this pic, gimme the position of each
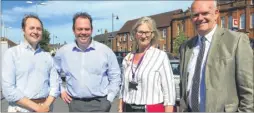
(148, 83)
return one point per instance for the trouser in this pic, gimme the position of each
(143, 108)
(133, 108)
(95, 104)
(13, 107)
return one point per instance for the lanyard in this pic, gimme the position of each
(139, 62)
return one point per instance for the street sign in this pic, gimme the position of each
(110, 36)
(235, 23)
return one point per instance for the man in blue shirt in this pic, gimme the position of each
(91, 68)
(30, 81)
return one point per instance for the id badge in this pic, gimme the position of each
(133, 85)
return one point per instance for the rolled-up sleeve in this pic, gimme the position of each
(58, 67)
(168, 85)
(10, 90)
(54, 81)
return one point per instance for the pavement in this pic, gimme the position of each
(59, 106)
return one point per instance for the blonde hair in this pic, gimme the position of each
(151, 24)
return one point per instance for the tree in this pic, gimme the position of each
(178, 41)
(44, 43)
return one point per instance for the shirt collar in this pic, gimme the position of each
(89, 48)
(26, 45)
(209, 36)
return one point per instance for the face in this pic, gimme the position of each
(82, 31)
(204, 16)
(33, 31)
(144, 35)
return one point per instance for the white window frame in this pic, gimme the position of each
(222, 22)
(124, 37)
(178, 29)
(252, 20)
(164, 33)
(164, 47)
(230, 22)
(242, 19)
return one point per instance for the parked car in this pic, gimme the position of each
(175, 65)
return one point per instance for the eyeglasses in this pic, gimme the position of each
(147, 33)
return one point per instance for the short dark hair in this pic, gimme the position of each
(82, 15)
(23, 24)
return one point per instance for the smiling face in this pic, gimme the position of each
(205, 16)
(144, 35)
(32, 31)
(82, 31)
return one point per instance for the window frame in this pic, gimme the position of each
(242, 25)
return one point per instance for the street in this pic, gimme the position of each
(59, 106)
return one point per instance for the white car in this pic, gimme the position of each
(175, 65)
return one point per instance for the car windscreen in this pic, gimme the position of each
(175, 68)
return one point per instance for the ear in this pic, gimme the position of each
(217, 13)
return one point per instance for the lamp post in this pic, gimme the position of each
(113, 17)
(54, 36)
(36, 4)
(100, 30)
(6, 31)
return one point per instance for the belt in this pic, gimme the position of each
(41, 100)
(88, 99)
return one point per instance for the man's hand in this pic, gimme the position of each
(66, 98)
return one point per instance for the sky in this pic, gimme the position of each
(57, 15)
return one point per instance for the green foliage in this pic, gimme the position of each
(178, 41)
(44, 43)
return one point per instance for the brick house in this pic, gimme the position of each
(123, 43)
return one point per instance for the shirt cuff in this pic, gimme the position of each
(111, 97)
(54, 92)
(62, 89)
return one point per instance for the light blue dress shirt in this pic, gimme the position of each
(28, 73)
(90, 73)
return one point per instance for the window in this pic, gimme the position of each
(130, 48)
(164, 47)
(252, 20)
(120, 49)
(183, 28)
(117, 44)
(222, 19)
(124, 37)
(242, 21)
(178, 29)
(230, 22)
(164, 31)
(120, 39)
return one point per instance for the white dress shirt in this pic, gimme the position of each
(193, 60)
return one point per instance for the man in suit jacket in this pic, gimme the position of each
(216, 66)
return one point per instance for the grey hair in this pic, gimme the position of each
(214, 4)
(151, 24)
